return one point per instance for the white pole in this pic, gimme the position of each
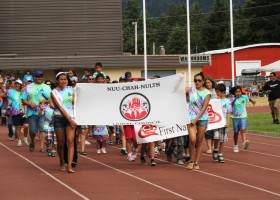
(232, 45)
(145, 39)
(189, 42)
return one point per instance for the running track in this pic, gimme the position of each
(251, 174)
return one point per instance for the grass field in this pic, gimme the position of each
(262, 124)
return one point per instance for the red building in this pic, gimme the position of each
(246, 57)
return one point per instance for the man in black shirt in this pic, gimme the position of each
(273, 90)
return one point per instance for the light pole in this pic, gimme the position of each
(135, 31)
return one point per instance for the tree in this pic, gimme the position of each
(217, 27)
(197, 22)
(264, 20)
(177, 41)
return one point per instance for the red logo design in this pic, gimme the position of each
(135, 107)
(213, 116)
(147, 131)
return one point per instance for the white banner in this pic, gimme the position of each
(215, 114)
(150, 133)
(157, 101)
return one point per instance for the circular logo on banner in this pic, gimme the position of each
(135, 107)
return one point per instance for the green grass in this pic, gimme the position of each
(261, 123)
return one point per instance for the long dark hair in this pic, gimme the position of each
(68, 79)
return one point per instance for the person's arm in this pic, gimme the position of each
(63, 112)
(252, 101)
(204, 107)
(228, 119)
(41, 111)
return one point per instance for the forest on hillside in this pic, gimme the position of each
(254, 22)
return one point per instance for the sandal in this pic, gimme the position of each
(196, 166)
(71, 171)
(190, 165)
(42, 150)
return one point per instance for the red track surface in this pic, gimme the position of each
(251, 174)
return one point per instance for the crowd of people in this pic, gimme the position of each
(41, 110)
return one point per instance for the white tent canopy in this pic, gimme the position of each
(272, 67)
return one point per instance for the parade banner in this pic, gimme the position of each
(215, 115)
(151, 133)
(157, 101)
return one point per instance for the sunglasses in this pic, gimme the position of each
(197, 80)
(271, 76)
(39, 76)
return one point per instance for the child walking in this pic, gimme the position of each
(50, 137)
(101, 135)
(239, 116)
(221, 134)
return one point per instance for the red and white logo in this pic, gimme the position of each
(147, 131)
(135, 107)
(212, 115)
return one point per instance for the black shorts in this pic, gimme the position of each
(18, 120)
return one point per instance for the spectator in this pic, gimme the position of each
(254, 89)
(27, 77)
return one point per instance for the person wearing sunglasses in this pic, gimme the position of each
(199, 98)
(272, 88)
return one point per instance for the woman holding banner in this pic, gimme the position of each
(199, 98)
(64, 124)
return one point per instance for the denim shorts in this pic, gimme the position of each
(239, 123)
(35, 123)
(60, 123)
(203, 123)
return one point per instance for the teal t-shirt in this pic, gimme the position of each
(35, 93)
(239, 107)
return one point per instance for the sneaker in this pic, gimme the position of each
(187, 158)
(11, 139)
(19, 143)
(53, 153)
(246, 144)
(83, 153)
(134, 154)
(276, 121)
(98, 151)
(180, 162)
(123, 151)
(103, 150)
(25, 140)
(130, 157)
(110, 142)
(49, 153)
(143, 161)
(169, 158)
(31, 146)
(235, 149)
(215, 154)
(221, 159)
(153, 163)
(87, 142)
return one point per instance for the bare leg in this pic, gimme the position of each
(199, 140)
(60, 136)
(70, 135)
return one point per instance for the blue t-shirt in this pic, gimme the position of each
(239, 107)
(27, 77)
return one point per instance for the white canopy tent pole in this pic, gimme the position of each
(189, 42)
(232, 45)
(145, 39)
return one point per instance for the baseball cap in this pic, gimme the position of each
(122, 78)
(38, 73)
(18, 81)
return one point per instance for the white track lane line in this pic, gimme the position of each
(138, 178)
(47, 173)
(252, 165)
(262, 143)
(228, 179)
(267, 154)
(267, 136)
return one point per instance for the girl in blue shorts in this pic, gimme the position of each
(239, 116)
